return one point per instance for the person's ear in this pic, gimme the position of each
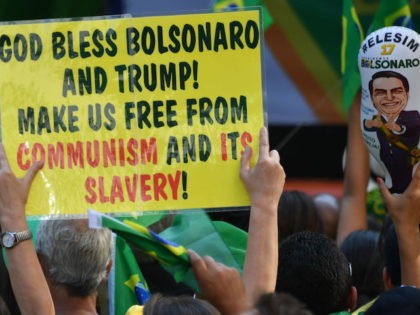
(352, 298)
(108, 268)
(386, 278)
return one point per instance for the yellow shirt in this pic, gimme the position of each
(362, 309)
(135, 310)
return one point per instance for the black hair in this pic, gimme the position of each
(297, 212)
(314, 270)
(362, 250)
(280, 304)
(178, 305)
(389, 74)
(392, 255)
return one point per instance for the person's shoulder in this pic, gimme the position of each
(409, 113)
(362, 309)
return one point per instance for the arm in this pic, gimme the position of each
(405, 213)
(356, 177)
(264, 184)
(28, 281)
(221, 285)
(370, 124)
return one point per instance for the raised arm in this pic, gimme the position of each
(221, 285)
(356, 176)
(264, 184)
(28, 281)
(405, 213)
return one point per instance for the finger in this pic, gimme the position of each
(414, 186)
(264, 145)
(274, 154)
(384, 191)
(31, 173)
(193, 255)
(416, 177)
(245, 159)
(212, 265)
(4, 163)
(197, 263)
(209, 260)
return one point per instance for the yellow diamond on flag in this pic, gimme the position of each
(228, 4)
(132, 281)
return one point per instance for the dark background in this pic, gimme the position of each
(310, 151)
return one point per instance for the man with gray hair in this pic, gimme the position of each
(75, 260)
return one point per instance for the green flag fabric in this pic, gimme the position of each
(392, 12)
(195, 230)
(126, 284)
(225, 5)
(146, 218)
(234, 238)
(352, 38)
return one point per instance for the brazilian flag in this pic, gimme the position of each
(389, 13)
(392, 13)
(351, 41)
(126, 283)
(229, 5)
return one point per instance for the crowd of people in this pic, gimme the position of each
(305, 254)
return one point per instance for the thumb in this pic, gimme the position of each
(30, 175)
(386, 195)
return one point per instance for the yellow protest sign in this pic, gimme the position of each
(132, 114)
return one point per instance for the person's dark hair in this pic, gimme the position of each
(297, 212)
(362, 250)
(314, 270)
(374, 224)
(391, 254)
(178, 305)
(280, 304)
(328, 209)
(389, 74)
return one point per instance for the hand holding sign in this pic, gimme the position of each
(264, 182)
(14, 193)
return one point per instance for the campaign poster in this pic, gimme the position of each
(389, 63)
